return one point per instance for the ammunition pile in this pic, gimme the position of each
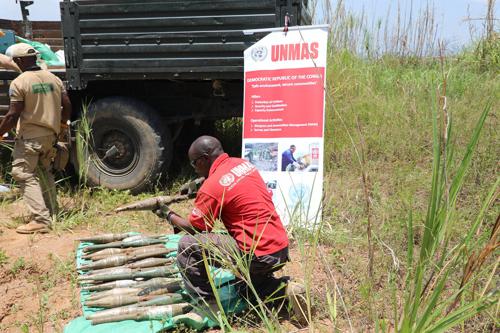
(131, 277)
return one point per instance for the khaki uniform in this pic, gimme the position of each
(37, 131)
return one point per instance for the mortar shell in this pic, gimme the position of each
(135, 237)
(133, 243)
(113, 292)
(171, 287)
(101, 254)
(159, 251)
(113, 261)
(154, 292)
(148, 313)
(105, 238)
(156, 272)
(111, 285)
(115, 274)
(156, 282)
(159, 262)
(151, 262)
(151, 203)
(160, 300)
(106, 270)
(105, 252)
(117, 300)
(127, 273)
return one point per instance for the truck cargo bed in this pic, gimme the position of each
(48, 32)
(169, 39)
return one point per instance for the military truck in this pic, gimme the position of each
(150, 68)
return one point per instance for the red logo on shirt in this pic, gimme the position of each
(196, 212)
(226, 180)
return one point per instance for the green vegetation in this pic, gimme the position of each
(18, 265)
(3, 258)
(411, 151)
(83, 138)
(409, 236)
(385, 124)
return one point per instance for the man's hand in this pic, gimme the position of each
(191, 188)
(162, 211)
(10, 119)
(63, 134)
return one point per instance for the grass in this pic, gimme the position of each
(390, 102)
(3, 258)
(394, 171)
(388, 107)
(83, 139)
(18, 265)
(426, 308)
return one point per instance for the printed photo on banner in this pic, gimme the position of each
(298, 197)
(264, 155)
(300, 157)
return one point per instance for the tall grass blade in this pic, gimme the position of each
(441, 209)
(461, 314)
(487, 202)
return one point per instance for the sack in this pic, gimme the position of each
(62, 156)
(46, 54)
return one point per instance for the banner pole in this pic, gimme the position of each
(293, 28)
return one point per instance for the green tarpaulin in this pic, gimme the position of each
(46, 54)
(229, 299)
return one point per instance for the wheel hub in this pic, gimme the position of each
(117, 152)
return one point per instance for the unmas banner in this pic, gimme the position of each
(284, 116)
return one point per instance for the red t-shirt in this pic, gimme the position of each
(235, 193)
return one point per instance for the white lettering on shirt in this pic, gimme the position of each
(236, 174)
(243, 169)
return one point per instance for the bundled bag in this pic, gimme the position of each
(46, 54)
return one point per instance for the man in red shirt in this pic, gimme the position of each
(235, 194)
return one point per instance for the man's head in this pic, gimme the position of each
(293, 148)
(24, 55)
(203, 152)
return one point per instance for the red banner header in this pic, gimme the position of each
(286, 103)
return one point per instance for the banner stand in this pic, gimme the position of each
(284, 117)
(290, 28)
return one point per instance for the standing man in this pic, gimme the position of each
(287, 157)
(235, 194)
(36, 98)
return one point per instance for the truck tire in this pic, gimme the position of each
(143, 147)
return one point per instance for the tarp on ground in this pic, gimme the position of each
(228, 295)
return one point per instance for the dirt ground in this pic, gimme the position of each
(25, 300)
(38, 289)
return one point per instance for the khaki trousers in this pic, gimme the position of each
(32, 169)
